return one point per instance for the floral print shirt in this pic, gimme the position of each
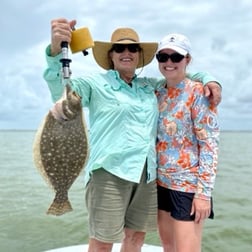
(187, 140)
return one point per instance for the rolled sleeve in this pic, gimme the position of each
(203, 77)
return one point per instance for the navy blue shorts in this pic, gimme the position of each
(179, 204)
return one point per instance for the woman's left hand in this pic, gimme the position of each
(212, 90)
(201, 208)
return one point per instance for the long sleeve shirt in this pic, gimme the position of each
(123, 119)
(187, 140)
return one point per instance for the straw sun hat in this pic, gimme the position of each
(123, 36)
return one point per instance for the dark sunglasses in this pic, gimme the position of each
(119, 48)
(175, 57)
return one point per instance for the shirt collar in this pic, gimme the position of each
(118, 83)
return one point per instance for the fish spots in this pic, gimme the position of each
(61, 151)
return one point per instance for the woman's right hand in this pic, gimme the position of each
(61, 30)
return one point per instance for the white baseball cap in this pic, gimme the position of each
(176, 42)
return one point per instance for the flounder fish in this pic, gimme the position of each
(60, 148)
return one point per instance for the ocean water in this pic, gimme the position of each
(25, 197)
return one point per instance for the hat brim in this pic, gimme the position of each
(175, 48)
(101, 49)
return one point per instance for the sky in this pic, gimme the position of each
(220, 32)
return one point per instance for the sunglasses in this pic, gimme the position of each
(175, 57)
(119, 48)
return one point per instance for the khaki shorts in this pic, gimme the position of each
(114, 204)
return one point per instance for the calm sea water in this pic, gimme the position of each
(24, 198)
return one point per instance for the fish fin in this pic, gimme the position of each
(61, 208)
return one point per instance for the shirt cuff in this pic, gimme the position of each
(53, 61)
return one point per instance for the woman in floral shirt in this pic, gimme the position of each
(187, 146)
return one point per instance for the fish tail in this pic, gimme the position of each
(59, 208)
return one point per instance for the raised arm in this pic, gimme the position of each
(60, 31)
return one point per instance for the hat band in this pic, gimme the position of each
(127, 39)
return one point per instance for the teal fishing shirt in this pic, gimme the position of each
(122, 119)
